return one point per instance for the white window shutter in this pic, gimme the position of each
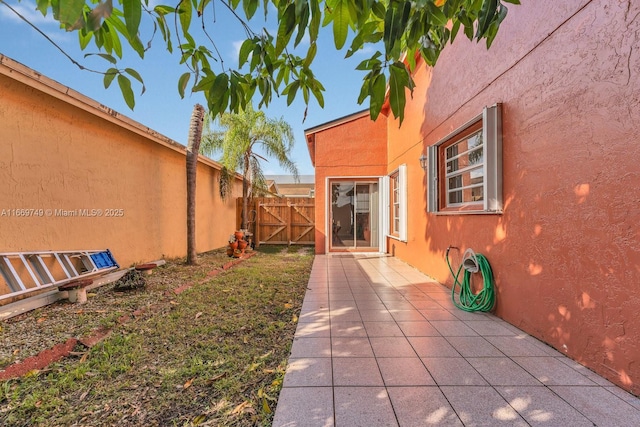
(432, 179)
(492, 135)
(402, 196)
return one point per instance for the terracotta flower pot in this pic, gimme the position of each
(239, 235)
(230, 252)
(233, 245)
(242, 244)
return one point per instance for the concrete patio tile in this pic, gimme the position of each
(363, 407)
(418, 329)
(586, 372)
(304, 407)
(482, 406)
(383, 329)
(399, 306)
(390, 296)
(626, 396)
(452, 371)
(406, 315)
(308, 372)
(356, 371)
(515, 346)
(474, 347)
(313, 329)
(360, 296)
(488, 327)
(551, 371)
(321, 315)
(502, 371)
(376, 315)
(351, 347)
(370, 305)
(311, 347)
(415, 295)
(432, 347)
(465, 315)
(539, 406)
(392, 347)
(316, 296)
(453, 328)
(308, 306)
(345, 314)
(599, 405)
(348, 329)
(404, 371)
(438, 314)
(422, 406)
(340, 296)
(342, 305)
(425, 304)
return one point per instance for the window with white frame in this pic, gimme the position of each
(398, 203)
(465, 168)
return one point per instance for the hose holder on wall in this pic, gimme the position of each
(467, 300)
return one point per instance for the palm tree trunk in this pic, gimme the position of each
(245, 192)
(193, 147)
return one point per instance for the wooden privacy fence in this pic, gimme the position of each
(280, 221)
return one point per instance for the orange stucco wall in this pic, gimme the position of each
(356, 148)
(61, 153)
(566, 250)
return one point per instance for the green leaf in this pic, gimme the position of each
(109, 58)
(341, 21)
(42, 6)
(110, 74)
(133, 73)
(485, 17)
(314, 25)
(84, 37)
(311, 54)
(302, 20)
(512, 1)
(399, 80)
(436, 15)
(182, 83)
(394, 23)
(132, 15)
(287, 25)
(125, 88)
(378, 10)
(250, 7)
(220, 86)
(164, 10)
(291, 91)
(185, 11)
(377, 92)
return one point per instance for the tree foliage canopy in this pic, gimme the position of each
(399, 31)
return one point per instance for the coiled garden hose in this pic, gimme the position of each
(468, 301)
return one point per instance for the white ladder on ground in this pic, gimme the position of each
(26, 272)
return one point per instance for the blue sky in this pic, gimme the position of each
(160, 107)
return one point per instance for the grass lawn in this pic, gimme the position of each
(214, 354)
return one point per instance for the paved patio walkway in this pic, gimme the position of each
(380, 344)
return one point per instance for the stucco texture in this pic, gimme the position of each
(62, 154)
(565, 251)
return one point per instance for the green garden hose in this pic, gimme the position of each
(472, 263)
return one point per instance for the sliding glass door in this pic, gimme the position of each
(354, 216)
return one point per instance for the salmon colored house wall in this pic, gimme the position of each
(62, 151)
(355, 148)
(565, 251)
